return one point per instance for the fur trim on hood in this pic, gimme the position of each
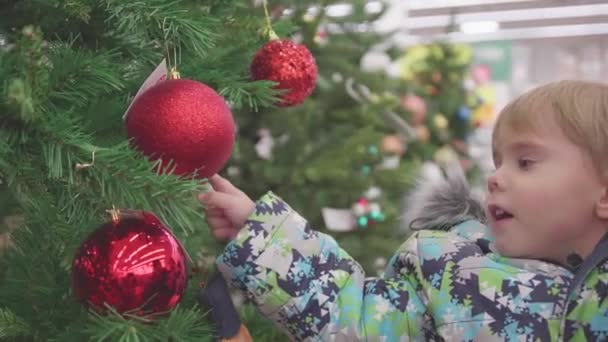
(440, 204)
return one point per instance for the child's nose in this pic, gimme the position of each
(493, 183)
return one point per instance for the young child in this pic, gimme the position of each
(538, 271)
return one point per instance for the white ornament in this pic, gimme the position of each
(339, 220)
(390, 162)
(337, 77)
(265, 144)
(359, 209)
(393, 70)
(373, 193)
(469, 84)
(374, 61)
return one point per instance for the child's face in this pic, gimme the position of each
(543, 195)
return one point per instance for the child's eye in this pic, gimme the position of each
(524, 163)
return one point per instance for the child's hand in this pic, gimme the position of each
(226, 207)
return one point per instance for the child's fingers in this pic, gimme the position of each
(223, 185)
(224, 234)
(216, 199)
(218, 222)
(211, 211)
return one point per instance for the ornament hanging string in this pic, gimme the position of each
(80, 166)
(268, 30)
(114, 214)
(177, 54)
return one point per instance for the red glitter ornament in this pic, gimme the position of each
(133, 264)
(184, 121)
(289, 64)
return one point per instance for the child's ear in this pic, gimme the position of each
(601, 207)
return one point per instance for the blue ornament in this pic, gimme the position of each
(463, 113)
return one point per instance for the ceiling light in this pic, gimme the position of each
(479, 27)
(373, 7)
(339, 10)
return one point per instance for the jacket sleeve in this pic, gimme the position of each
(311, 288)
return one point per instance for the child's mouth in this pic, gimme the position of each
(498, 213)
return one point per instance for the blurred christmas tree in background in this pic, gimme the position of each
(346, 157)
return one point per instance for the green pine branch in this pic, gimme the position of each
(178, 325)
(12, 327)
(79, 75)
(168, 22)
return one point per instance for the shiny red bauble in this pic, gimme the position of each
(289, 64)
(183, 121)
(133, 264)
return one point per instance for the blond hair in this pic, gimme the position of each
(580, 108)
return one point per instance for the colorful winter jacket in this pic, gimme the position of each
(440, 285)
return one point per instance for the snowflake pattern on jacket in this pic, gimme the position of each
(439, 286)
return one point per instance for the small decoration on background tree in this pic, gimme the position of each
(373, 193)
(132, 263)
(366, 170)
(436, 77)
(392, 144)
(361, 215)
(339, 220)
(481, 74)
(367, 213)
(373, 151)
(321, 38)
(463, 113)
(374, 60)
(183, 121)
(423, 133)
(440, 121)
(483, 115)
(337, 77)
(265, 144)
(390, 162)
(416, 106)
(445, 156)
(287, 63)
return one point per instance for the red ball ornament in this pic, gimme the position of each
(184, 121)
(133, 264)
(289, 64)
